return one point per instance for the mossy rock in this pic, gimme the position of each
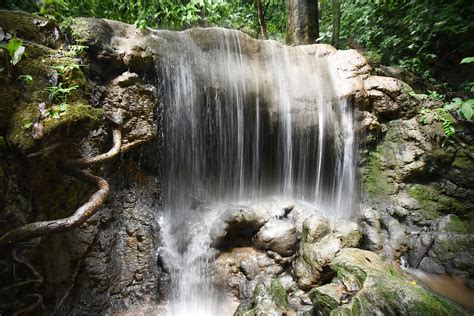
(268, 298)
(433, 201)
(452, 223)
(377, 184)
(31, 27)
(56, 131)
(381, 288)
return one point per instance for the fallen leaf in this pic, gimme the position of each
(42, 110)
(37, 132)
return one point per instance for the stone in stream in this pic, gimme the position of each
(365, 283)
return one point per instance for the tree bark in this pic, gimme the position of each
(261, 19)
(336, 22)
(303, 22)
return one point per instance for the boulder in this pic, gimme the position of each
(269, 298)
(278, 236)
(364, 282)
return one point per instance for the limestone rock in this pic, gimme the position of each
(237, 225)
(278, 236)
(370, 284)
(269, 298)
(315, 227)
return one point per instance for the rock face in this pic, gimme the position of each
(108, 264)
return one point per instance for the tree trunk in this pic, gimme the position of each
(303, 22)
(261, 20)
(336, 22)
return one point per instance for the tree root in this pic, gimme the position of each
(114, 151)
(39, 229)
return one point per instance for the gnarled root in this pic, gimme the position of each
(39, 229)
(114, 151)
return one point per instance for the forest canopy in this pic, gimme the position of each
(428, 38)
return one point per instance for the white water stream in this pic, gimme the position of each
(243, 120)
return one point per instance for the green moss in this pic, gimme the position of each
(75, 114)
(455, 225)
(21, 24)
(278, 294)
(322, 299)
(377, 185)
(433, 201)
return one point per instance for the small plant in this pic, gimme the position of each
(464, 108)
(66, 71)
(56, 110)
(15, 50)
(439, 115)
(60, 91)
(28, 79)
(435, 95)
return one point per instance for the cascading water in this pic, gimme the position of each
(243, 120)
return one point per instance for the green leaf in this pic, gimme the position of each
(26, 78)
(63, 107)
(467, 60)
(18, 54)
(27, 125)
(466, 111)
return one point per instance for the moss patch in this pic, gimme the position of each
(377, 185)
(433, 201)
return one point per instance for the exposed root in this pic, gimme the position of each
(32, 307)
(131, 145)
(38, 229)
(114, 151)
(27, 285)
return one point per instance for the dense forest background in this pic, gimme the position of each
(428, 38)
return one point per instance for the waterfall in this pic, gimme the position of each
(243, 120)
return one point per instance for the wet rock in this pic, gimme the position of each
(237, 225)
(299, 214)
(315, 227)
(371, 229)
(126, 79)
(370, 284)
(308, 267)
(451, 223)
(278, 236)
(269, 298)
(431, 265)
(348, 232)
(397, 237)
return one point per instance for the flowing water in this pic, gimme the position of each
(243, 120)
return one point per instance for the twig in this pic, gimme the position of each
(423, 254)
(32, 307)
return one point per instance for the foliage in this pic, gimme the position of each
(463, 107)
(439, 115)
(15, 50)
(413, 34)
(28, 79)
(467, 60)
